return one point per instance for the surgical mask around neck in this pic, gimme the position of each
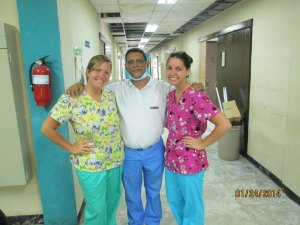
(140, 78)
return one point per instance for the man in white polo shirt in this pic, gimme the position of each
(142, 107)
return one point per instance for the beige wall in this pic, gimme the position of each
(14, 200)
(114, 52)
(274, 100)
(289, 43)
(9, 13)
(78, 23)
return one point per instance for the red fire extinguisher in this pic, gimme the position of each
(40, 82)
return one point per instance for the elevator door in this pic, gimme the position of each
(233, 72)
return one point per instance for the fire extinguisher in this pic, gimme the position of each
(40, 82)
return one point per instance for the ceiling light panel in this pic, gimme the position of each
(166, 2)
(151, 28)
(144, 40)
(137, 1)
(195, 1)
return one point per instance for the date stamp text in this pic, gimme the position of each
(258, 193)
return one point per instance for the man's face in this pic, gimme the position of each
(136, 64)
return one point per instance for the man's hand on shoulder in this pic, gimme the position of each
(75, 90)
(198, 86)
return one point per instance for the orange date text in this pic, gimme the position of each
(258, 193)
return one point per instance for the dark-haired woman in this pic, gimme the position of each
(188, 111)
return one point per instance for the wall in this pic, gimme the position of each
(292, 143)
(114, 51)
(9, 13)
(78, 23)
(13, 199)
(273, 94)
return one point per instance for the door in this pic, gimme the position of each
(233, 72)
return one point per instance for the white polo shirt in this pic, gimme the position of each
(142, 112)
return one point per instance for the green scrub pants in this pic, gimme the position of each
(102, 193)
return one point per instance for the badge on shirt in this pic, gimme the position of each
(154, 107)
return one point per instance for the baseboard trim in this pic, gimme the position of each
(293, 196)
(33, 219)
(39, 219)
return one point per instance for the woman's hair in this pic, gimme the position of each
(97, 60)
(186, 59)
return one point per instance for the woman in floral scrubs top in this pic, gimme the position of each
(188, 111)
(97, 153)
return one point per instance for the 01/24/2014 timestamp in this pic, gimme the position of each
(258, 193)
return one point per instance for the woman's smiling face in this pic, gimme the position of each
(176, 71)
(99, 75)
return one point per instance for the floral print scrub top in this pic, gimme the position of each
(188, 117)
(96, 120)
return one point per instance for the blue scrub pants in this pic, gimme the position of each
(184, 195)
(147, 164)
(102, 193)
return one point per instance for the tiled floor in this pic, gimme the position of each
(222, 179)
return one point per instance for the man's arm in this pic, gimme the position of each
(198, 86)
(75, 89)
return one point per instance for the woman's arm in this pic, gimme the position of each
(222, 125)
(49, 129)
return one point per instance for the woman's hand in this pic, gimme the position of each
(195, 143)
(81, 147)
(75, 90)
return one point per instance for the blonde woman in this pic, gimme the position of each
(98, 151)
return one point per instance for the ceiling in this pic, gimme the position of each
(127, 19)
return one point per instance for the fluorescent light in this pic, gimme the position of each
(151, 28)
(169, 2)
(144, 40)
(141, 46)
